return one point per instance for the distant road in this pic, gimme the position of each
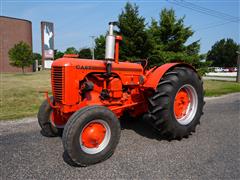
(222, 74)
(220, 78)
(211, 153)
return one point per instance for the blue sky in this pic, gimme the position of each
(76, 20)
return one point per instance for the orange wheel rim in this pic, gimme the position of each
(181, 103)
(93, 135)
(185, 104)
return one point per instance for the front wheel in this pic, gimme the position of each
(176, 106)
(91, 135)
(45, 119)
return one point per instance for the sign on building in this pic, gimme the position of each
(47, 32)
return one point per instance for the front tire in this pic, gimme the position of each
(44, 120)
(91, 135)
(176, 106)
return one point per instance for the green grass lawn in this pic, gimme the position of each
(20, 95)
(217, 88)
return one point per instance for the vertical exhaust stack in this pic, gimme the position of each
(110, 43)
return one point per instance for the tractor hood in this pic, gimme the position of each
(87, 64)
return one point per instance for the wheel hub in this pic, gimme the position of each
(93, 135)
(181, 103)
(185, 104)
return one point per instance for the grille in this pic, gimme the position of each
(58, 83)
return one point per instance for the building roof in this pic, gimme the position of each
(15, 18)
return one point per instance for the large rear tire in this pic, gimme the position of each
(176, 106)
(91, 135)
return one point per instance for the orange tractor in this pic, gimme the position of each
(89, 97)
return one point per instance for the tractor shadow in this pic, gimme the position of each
(141, 127)
(138, 125)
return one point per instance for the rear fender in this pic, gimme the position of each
(154, 77)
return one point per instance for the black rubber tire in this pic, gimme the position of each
(74, 127)
(161, 104)
(47, 129)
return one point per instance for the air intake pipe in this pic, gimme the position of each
(111, 48)
(110, 43)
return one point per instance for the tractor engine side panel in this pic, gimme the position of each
(115, 88)
(69, 73)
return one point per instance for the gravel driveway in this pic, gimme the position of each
(213, 152)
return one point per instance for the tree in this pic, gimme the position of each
(169, 36)
(136, 43)
(100, 47)
(71, 50)
(223, 53)
(58, 54)
(165, 40)
(85, 53)
(21, 55)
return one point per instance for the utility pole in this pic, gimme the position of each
(93, 43)
(238, 67)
